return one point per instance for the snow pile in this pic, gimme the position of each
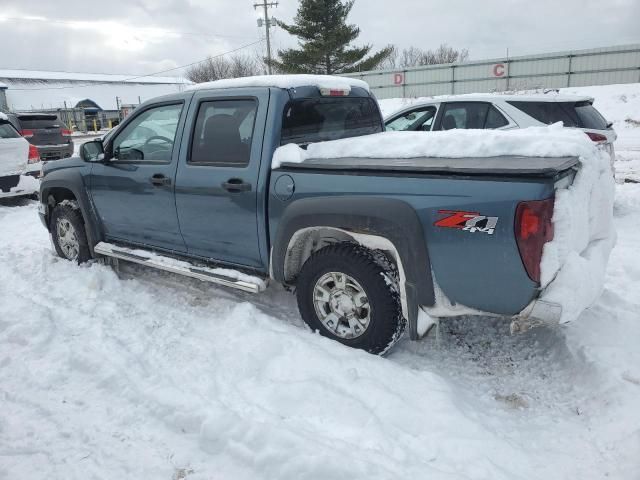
(584, 234)
(285, 81)
(552, 141)
(3, 116)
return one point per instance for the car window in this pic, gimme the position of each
(464, 115)
(548, 112)
(7, 131)
(223, 133)
(495, 119)
(589, 117)
(149, 137)
(39, 121)
(309, 120)
(418, 119)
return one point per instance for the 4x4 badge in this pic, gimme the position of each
(467, 221)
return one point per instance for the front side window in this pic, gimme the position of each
(223, 133)
(418, 119)
(149, 137)
(310, 120)
(464, 115)
(7, 131)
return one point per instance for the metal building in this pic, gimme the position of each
(598, 66)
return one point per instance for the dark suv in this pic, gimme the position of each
(47, 132)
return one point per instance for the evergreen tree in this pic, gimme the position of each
(325, 41)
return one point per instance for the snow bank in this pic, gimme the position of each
(285, 81)
(584, 234)
(3, 116)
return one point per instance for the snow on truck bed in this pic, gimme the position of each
(584, 234)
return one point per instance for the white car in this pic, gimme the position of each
(496, 111)
(19, 162)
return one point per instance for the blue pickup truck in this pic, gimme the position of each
(372, 248)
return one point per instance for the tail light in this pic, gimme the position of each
(335, 92)
(26, 133)
(596, 137)
(533, 229)
(34, 154)
(66, 132)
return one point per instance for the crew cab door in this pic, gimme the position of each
(133, 190)
(217, 180)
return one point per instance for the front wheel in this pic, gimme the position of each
(69, 235)
(347, 294)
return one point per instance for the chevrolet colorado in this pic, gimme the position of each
(188, 184)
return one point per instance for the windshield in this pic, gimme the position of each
(311, 120)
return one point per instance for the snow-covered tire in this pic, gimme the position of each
(67, 229)
(364, 274)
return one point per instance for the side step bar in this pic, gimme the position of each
(220, 276)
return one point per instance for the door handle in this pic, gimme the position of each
(160, 180)
(236, 185)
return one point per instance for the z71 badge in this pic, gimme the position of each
(467, 221)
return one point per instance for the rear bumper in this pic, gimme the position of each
(55, 152)
(24, 187)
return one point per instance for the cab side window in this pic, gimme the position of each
(149, 137)
(418, 119)
(223, 133)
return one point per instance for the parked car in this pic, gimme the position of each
(494, 111)
(47, 132)
(17, 158)
(188, 184)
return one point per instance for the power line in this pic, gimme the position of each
(141, 76)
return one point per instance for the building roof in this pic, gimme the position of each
(28, 90)
(86, 77)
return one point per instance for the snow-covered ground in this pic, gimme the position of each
(142, 374)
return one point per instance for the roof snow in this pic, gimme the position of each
(285, 81)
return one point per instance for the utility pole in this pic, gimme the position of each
(267, 25)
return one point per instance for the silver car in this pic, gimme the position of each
(496, 111)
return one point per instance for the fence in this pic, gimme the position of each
(601, 66)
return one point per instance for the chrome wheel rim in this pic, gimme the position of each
(342, 305)
(67, 239)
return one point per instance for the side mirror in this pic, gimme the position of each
(609, 125)
(92, 151)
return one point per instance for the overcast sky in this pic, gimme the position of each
(147, 36)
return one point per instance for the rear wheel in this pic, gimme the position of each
(345, 293)
(67, 230)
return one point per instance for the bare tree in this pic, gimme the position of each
(216, 68)
(415, 57)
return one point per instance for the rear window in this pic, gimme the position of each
(7, 131)
(571, 114)
(311, 120)
(33, 122)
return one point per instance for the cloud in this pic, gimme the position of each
(144, 36)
